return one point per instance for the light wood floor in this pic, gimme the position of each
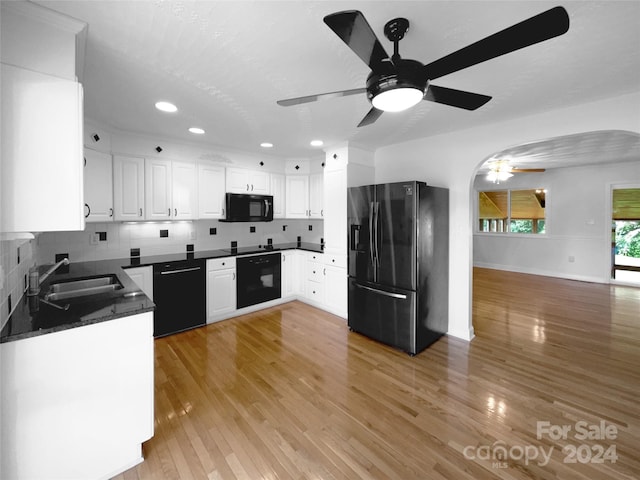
(290, 393)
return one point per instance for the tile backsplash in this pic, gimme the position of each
(16, 258)
(154, 238)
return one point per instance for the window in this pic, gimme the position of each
(515, 211)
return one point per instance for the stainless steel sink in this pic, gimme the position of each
(82, 287)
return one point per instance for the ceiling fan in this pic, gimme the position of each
(501, 170)
(396, 84)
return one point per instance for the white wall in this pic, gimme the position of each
(450, 160)
(578, 224)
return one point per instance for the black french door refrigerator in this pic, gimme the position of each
(399, 263)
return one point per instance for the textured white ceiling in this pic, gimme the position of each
(226, 63)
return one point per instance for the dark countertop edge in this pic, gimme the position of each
(146, 261)
(69, 326)
(117, 266)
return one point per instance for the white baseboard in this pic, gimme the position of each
(544, 273)
(462, 334)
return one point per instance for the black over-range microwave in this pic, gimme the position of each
(241, 207)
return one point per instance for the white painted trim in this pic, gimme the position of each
(46, 15)
(544, 273)
(137, 461)
(462, 335)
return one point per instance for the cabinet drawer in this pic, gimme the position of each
(335, 260)
(314, 271)
(221, 263)
(315, 291)
(314, 257)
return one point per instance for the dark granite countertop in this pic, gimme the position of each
(33, 317)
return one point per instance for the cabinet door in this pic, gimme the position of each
(98, 186)
(297, 196)
(336, 290)
(143, 278)
(211, 190)
(290, 275)
(316, 196)
(278, 191)
(41, 186)
(221, 292)
(157, 189)
(335, 211)
(128, 188)
(184, 184)
(259, 183)
(237, 180)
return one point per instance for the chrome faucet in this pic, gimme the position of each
(35, 280)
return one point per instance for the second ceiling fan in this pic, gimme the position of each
(396, 84)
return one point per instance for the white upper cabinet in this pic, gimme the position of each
(42, 153)
(241, 180)
(211, 191)
(335, 210)
(128, 188)
(184, 196)
(316, 195)
(297, 196)
(170, 189)
(278, 189)
(157, 189)
(98, 186)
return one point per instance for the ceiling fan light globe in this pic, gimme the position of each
(397, 99)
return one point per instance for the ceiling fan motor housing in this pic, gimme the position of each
(401, 74)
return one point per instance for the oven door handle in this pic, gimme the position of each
(171, 272)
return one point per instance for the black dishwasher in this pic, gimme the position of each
(179, 292)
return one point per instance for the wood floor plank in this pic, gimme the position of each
(290, 393)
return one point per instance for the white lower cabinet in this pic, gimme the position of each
(221, 288)
(81, 402)
(292, 273)
(336, 284)
(143, 278)
(314, 279)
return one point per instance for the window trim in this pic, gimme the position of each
(509, 233)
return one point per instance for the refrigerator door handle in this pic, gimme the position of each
(371, 251)
(382, 292)
(376, 228)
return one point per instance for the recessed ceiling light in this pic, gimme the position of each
(266, 145)
(196, 130)
(316, 143)
(166, 107)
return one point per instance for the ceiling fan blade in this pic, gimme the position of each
(355, 31)
(370, 117)
(455, 98)
(320, 96)
(527, 170)
(541, 27)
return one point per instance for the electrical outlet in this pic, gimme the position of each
(572, 259)
(94, 238)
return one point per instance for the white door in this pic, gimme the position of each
(143, 278)
(316, 195)
(259, 183)
(211, 191)
(237, 180)
(278, 191)
(157, 189)
(184, 183)
(336, 290)
(221, 292)
(128, 188)
(335, 211)
(41, 186)
(297, 196)
(98, 186)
